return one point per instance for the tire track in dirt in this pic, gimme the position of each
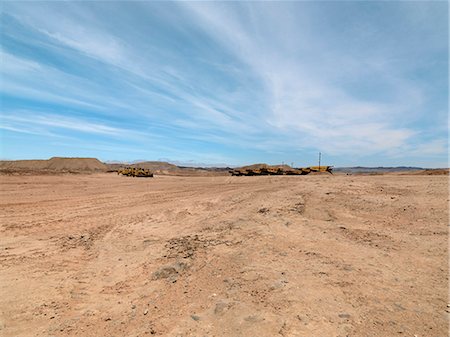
(225, 256)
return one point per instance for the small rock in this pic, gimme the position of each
(145, 311)
(399, 306)
(133, 306)
(170, 272)
(278, 285)
(85, 237)
(253, 318)
(344, 315)
(195, 317)
(221, 307)
(107, 319)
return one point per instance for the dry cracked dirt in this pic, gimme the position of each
(324, 255)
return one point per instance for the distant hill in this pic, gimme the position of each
(55, 164)
(156, 165)
(362, 169)
(260, 166)
(432, 172)
(151, 165)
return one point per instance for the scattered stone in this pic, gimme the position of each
(278, 285)
(195, 317)
(298, 208)
(221, 307)
(399, 307)
(347, 268)
(170, 272)
(85, 237)
(344, 315)
(263, 210)
(253, 318)
(145, 312)
(133, 306)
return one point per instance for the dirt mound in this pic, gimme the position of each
(427, 172)
(156, 165)
(54, 164)
(434, 172)
(149, 165)
(76, 164)
(260, 166)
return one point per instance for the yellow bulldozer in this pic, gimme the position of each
(135, 172)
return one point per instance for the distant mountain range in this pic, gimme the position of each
(379, 169)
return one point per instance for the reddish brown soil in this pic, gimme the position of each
(105, 255)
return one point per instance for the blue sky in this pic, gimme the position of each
(365, 83)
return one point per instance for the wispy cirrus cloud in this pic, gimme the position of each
(32, 121)
(307, 104)
(252, 81)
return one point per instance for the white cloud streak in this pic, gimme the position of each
(304, 107)
(299, 96)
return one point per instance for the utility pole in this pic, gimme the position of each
(320, 155)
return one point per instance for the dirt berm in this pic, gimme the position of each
(55, 164)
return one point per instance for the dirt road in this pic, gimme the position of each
(103, 255)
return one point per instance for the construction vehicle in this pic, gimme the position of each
(321, 169)
(135, 172)
(264, 171)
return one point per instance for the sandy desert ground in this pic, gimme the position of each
(105, 255)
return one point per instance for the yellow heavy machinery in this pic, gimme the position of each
(264, 171)
(135, 172)
(321, 169)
